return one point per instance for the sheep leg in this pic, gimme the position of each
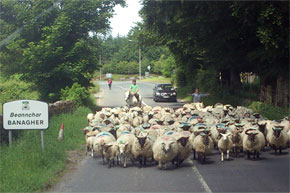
(103, 159)
(228, 154)
(258, 154)
(92, 153)
(203, 161)
(110, 163)
(275, 149)
(194, 155)
(249, 154)
(160, 165)
(125, 161)
(140, 161)
(144, 159)
(86, 151)
(222, 156)
(180, 162)
(280, 150)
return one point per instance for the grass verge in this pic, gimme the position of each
(25, 167)
(157, 80)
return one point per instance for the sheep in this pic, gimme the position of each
(165, 149)
(288, 133)
(90, 136)
(184, 147)
(277, 138)
(253, 142)
(125, 142)
(90, 117)
(142, 148)
(237, 142)
(100, 140)
(225, 144)
(110, 151)
(202, 145)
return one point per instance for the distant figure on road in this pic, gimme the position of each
(134, 89)
(110, 83)
(196, 96)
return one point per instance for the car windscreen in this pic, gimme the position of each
(165, 87)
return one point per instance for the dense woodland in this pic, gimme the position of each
(57, 45)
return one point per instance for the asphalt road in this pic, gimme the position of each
(268, 174)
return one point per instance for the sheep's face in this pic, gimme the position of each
(236, 138)
(225, 136)
(183, 141)
(166, 147)
(277, 131)
(106, 148)
(142, 141)
(262, 127)
(205, 139)
(252, 136)
(123, 148)
(170, 122)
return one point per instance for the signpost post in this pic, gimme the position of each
(25, 114)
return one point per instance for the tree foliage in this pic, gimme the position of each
(223, 38)
(53, 48)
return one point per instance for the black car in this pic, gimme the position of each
(164, 92)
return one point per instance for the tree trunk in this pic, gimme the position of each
(282, 92)
(235, 80)
(225, 77)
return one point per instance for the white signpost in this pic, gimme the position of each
(25, 114)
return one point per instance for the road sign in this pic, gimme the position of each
(25, 114)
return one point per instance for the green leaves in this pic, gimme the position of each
(53, 49)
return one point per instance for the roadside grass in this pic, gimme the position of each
(157, 80)
(25, 167)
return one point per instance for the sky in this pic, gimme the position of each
(125, 18)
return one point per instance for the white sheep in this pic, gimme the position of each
(110, 151)
(90, 117)
(165, 149)
(202, 145)
(90, 136)
(225, 144)
(125, 142)
(253, 142)
(100, 140)
(142, 148)
(277, 138)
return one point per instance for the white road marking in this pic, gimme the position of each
(201, 180)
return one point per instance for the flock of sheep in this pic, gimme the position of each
(166, 135)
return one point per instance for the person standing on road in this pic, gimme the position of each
(196, 96)
(134, 89)
(110, 83)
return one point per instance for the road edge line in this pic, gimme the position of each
(201, 180)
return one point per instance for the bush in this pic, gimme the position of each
(269, 111)
(76, 93)
(16, 89)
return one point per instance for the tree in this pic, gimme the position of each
(62, 53)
